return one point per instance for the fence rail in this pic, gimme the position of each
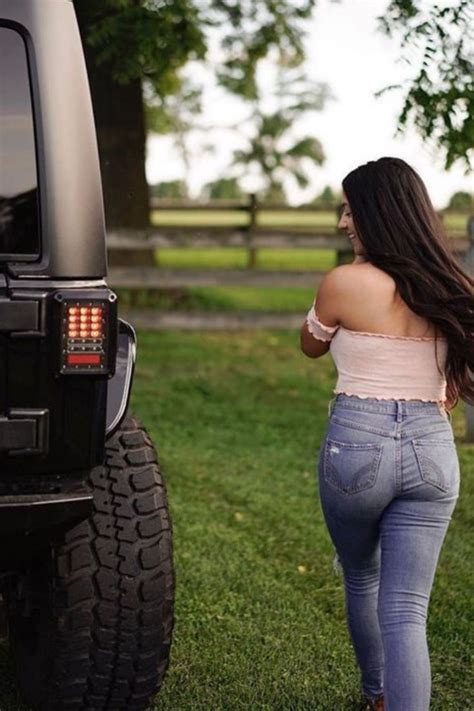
(246, 206)
(139, 277)
(231, 237)
(262, 228)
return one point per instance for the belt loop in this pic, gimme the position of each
(444, 411)
(330, 406)
(399, 411)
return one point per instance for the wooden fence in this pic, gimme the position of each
(253, 237)
(251, 229)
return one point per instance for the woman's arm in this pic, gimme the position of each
(310, 346)
(327, 304)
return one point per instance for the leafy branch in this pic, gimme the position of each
(440, 98)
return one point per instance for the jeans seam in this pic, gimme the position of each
(398, 466)
(373, 411)
(351, 424)
(361, 427)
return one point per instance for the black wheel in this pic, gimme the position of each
(90, 620)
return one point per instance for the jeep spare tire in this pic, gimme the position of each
(91, 618)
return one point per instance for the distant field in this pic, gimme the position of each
(454, 221)
(305, 219)
(236, 258)
(241, 217)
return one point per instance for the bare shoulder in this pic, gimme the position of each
(336, 289)
(357, 279)
(354, 289)
(364, 272)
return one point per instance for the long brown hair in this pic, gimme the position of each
(403, 235)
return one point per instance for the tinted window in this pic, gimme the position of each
(18, 182)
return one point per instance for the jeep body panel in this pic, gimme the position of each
(54, 419)
(71, 215)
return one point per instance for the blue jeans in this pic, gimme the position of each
(388, 484)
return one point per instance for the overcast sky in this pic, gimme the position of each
(345, 50)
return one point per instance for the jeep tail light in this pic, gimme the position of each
(84, 335)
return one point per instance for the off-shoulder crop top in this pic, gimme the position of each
(384, 366)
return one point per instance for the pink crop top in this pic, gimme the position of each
(383, 366)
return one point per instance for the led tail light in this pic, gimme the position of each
(85, 331)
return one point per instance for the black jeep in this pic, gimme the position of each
(86, 554)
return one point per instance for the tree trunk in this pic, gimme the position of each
(121, 137)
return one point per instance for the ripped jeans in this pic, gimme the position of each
(388, 485)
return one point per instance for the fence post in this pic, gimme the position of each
(251, 251)
(469, 264)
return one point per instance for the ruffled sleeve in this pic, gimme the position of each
(318, 329)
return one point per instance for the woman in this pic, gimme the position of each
(399, 322)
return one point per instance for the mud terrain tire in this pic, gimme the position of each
(91, 628)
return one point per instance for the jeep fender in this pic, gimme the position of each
(120, 385)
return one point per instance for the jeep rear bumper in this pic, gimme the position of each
(43, 514)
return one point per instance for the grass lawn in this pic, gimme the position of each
(241, 217)
(236, 258)
(238, 419)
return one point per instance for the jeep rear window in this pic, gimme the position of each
(19, 228)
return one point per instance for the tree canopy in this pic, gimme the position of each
(328, 198)
(170, 189)
(223, 189)
(145, 44)
(461, 200)
(438, 42)
(152, 39)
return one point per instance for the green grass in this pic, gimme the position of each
(218, 299)
(455, 221)
(259, 613)
(302, 219)
(238, 419)
(236, 258)
(241, 217)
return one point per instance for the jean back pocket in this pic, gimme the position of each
(351, 467)
(438, 462)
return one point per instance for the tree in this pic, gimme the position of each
(327, 199)
(170, 189)
(125, 41)
(274, 193)
(223, 189)
(129, 41)
(461, 201)
(274, 150)
(439, 99)
(174, 115)
(274, 159)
